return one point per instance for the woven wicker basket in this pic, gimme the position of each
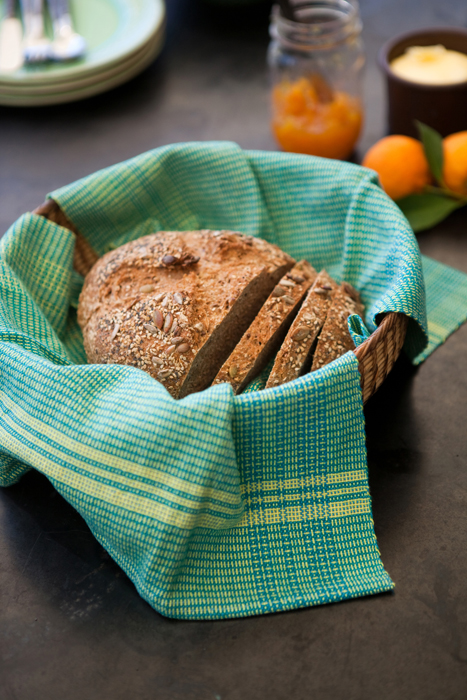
(376, 356)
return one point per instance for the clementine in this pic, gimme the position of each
(401, 164)
(455, 162)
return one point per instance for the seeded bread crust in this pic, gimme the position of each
(335, 339)
(264, 336)
(293, 359)
(175, 304)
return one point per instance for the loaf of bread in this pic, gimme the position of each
(176, 304)
(265, 335)
(196, 307)
(296, 353)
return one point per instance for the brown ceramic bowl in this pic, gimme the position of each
(443, 107)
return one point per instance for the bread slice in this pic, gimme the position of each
(294, 357)
(335, 338)
(265, 335)
(175, 304)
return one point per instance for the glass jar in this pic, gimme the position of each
(316, 64)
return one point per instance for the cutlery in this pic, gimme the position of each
(37, 47)
(11, 40)
(67, 44)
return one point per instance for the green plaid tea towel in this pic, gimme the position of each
(215, 506)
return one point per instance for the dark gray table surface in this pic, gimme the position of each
(71, 624)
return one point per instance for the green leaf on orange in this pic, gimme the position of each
(433, 146)
(427, 209)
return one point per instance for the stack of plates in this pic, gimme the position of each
(123, 37)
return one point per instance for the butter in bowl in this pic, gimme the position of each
(426, 73)
(431, 65)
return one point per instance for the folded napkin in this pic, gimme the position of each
(215, 505)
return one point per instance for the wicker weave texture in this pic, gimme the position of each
(376, 356)
(85, 256)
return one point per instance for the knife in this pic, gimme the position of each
(11, 36)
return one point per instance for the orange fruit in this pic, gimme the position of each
(455, 162)
(401, 164)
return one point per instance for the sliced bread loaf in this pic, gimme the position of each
(266, 333)
(175, 304)
(294, 357)
(335, 339)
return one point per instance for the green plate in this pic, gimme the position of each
(114, 30)
(73, 90)
(73, 93)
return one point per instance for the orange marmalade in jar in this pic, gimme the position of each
(316, 62)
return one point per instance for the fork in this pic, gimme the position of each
(67, 44)
(37, 48)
